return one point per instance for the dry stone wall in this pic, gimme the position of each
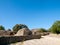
(13, 39)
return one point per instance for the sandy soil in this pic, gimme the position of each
(45, 40)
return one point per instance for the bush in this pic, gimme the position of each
(19, 26)
(55, 27)
(2, 28)
(8, 29)
(42, 30)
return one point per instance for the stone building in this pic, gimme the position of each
(6, 33)
(23, 32)
(35, 32)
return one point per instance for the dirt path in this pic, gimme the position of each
(46, 40)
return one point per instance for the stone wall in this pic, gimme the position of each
(13, 39)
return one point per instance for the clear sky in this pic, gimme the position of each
(33, 13)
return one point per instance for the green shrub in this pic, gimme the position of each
(2, 28)
(42, 30)
(19, 26)
(55, 28)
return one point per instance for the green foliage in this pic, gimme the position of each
(19, 26)
(9, 29)
(42, 30)
(55, 27)
(2, 28)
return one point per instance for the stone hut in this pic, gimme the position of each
(6, 33)
(23, 32)
(35, 32)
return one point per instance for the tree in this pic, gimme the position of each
(2, 28)
(19, 26)
(55, 28)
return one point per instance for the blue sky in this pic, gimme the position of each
(33, 13)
